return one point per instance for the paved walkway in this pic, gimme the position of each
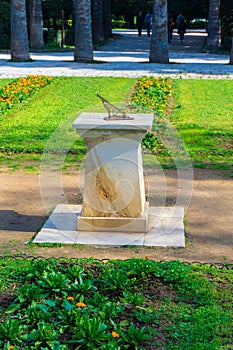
(127, 56)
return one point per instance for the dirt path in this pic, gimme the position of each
(209, 220)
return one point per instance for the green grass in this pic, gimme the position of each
(133, 304)
(3, 82)
(26, 129)
(203, 115)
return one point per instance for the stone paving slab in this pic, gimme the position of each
(166, 229)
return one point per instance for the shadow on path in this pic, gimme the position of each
(10, 220)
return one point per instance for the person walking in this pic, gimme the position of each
(148, 20)
(139, 23)
(179, 18)
(182, 29)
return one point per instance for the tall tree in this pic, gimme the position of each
(159, 38)
(36, 24)
(83, 51)
(97, 21)
(4, 24)
(74, 3)
(19, 34)
(214, 29)
(107, 19)
(231, 54)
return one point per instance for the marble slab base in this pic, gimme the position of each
(165, 229)
(114, 224)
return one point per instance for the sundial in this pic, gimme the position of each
(114, 113)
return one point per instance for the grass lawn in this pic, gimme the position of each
(203, 115)
(132, 304)
(201, 111)
(26, 128)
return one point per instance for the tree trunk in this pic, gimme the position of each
(97, 21)
(74, 2)
(83, 51)
(36, 24)
(19, 34)
(159, 37)
(231, 54)
(107, 27)
(214, 29)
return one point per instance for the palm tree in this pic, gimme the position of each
(36, 24)
(97, 21)
(159, 37)
(214, 29)
(83, 32)
(19, 34)
(107, 19)
(231, 54)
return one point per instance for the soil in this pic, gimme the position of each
(208, 222)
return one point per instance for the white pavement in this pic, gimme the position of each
(125, 56)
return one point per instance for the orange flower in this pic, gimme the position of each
(60, 299)
(147, 257)
(70, 298)
(11, 347)
(81, 304)
(115, 334)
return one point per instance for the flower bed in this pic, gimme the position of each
(151, 95)
(20, 89)
(115, 305)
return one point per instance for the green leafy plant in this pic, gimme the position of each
(44, 335)
(90, 331)
(135, 336)
(168, 304)
(36, 312)
(53, 282)
(10, 330)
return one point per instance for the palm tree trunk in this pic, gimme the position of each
(19, 34)
(231, 54)
(214, 29)
(83, 32)
(97, 21)
(107, 19)
(36, 24)
(74, 3)
(159, 37)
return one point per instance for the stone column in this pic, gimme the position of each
(114, 193)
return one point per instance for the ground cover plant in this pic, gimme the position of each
(132, 304)
(200, 110)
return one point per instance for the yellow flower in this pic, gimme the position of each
(115, 334)
(70, 298)
(81, 304)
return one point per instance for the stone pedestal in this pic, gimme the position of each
(114, 193)
(114, 210)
